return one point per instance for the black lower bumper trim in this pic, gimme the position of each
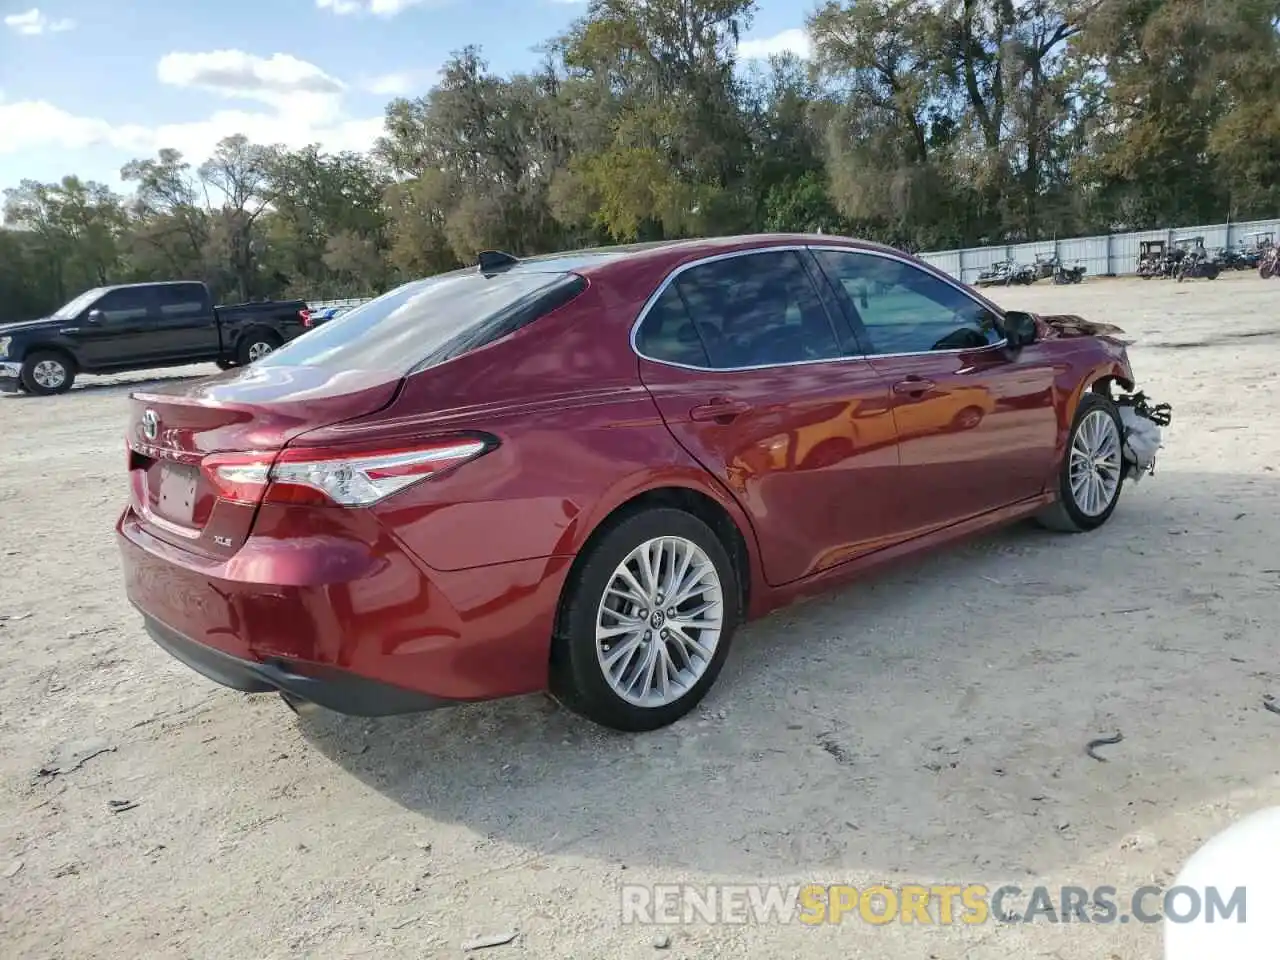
(324, 686)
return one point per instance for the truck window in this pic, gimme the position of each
(179, 300)
(123, 304)
(73, 309)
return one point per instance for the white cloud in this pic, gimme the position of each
(401, 84)
(301, 104)
(234, 73)
(31, 124)
(379, 8)
(32, 23)
(38, 124)
(795, 40)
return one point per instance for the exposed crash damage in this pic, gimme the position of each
(1054, 325)
(1141, 420)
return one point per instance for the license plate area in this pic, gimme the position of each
(176, 493)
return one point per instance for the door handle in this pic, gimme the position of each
(914, 386)
(720, 410)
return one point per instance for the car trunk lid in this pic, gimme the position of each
(177, 437)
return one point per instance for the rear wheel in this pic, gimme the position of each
(1092, 471)
(46, 372)
(255, 345)
(647, 626)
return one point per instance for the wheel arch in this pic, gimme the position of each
(256, 329)
(684, 493)
(1098, 380)
(52, 347)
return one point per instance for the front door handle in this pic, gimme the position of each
(913, 386)
(720, 410)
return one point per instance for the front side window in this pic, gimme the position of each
(118, 306)
(73, 309)
(758, 309)
(904, 309)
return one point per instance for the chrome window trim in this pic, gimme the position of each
(800, 248)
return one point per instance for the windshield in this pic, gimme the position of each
(69, 310)
(400, 328)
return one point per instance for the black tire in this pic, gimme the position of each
(1064, 515)
(577, 677)
(32, 368)
(225, 364)
(252, 342)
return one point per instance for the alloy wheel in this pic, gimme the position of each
(49, 374)
(659, 621)
(1095, 463)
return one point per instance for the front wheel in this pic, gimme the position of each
(647, 623)
(45, 373)
(1092, 471)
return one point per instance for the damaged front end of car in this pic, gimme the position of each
(1141, 437)
(1140, 419)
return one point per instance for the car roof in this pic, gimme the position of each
(672, 252)
(155, 283)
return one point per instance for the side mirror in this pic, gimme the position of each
(94, 316)
(1019, 329)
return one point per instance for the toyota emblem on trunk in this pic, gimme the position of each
(150, 424)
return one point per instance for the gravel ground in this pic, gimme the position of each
(925, 725)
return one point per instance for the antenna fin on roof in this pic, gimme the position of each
(495, 261)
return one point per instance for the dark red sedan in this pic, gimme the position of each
(582, 472)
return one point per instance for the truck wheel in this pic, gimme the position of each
(225, 364)
(255, 346)
(46, 372)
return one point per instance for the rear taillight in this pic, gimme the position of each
(305, 316)
(321, 477)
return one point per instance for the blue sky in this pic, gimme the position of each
(86, 85)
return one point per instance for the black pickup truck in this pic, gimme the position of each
(139, 326)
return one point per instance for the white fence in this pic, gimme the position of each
(1113, 255)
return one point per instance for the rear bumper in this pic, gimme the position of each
(346, 619)
(334, 689)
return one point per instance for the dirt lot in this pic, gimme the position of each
(927, 725)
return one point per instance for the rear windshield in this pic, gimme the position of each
(429, 320)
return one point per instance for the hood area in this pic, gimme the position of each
(1059, 325)
(7, 328)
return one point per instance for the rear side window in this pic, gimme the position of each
(179, 300)
(669, 334)
(429, 321)
(753, 310)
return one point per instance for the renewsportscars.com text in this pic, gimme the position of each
(934, 904)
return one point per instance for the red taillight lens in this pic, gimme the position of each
(238, 477)
(305, 316)
(338, 477)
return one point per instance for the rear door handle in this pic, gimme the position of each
(720, 410)
(914, 386)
